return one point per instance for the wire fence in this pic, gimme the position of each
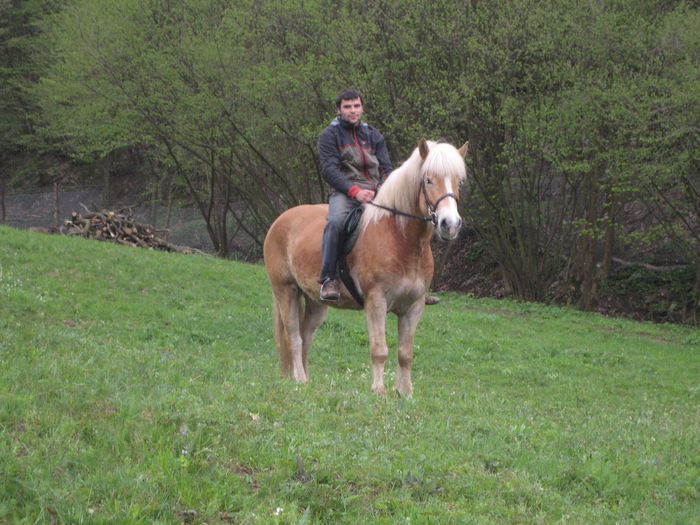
(37, 210)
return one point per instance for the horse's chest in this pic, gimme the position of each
(407, 288)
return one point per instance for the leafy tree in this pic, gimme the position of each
(668, 152)
(581, 116)
(19, 25)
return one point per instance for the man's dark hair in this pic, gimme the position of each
(347, 94)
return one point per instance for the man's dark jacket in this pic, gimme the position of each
(353, 157)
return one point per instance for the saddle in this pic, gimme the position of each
(348, 238)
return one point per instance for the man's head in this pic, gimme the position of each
(349, 104)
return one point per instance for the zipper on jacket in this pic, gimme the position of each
(363, 158)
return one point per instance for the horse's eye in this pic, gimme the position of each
(428, 181)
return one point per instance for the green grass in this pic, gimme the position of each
(142, 387)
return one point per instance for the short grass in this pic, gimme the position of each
(142, 387)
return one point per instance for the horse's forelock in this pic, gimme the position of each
(445, 161)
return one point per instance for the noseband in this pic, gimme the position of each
(432, 207)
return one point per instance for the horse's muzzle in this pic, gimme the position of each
(448, 228)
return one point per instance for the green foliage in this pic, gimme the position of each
(650, 295)
(142, 387)
(18, 69)
(582, 117)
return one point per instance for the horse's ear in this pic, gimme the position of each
(423, 148)
(463, 149)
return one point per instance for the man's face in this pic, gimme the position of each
(351, 110)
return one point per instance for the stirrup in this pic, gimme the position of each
(332, 294)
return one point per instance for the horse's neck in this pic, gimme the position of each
(414, 234)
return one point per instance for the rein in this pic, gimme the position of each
(432, 215)
(432, 218)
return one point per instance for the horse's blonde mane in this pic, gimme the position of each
(401, 189)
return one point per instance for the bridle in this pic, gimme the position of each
(432, 206)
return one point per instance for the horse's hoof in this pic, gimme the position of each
(404, 392)
(301, 378)
(379, 390)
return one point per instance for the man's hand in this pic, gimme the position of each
(364, 195)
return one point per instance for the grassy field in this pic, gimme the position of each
(142, 387)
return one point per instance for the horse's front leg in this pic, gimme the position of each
(408, 321)
(375, 311)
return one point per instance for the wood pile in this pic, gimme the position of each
(109, 225)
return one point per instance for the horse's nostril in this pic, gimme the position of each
(446, 224)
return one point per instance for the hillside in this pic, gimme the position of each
(142, 387)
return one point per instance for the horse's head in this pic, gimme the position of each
(442, 172)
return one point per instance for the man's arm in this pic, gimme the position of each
(329, 158)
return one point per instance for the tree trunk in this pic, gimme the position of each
(154, 204)
(221, 205)
(588, 285)
(440, 263)
(56, 204)
(590, 239)
(692, 316)
(155, 191)
(608, 248)
(2, 200)
(169, 212)
(105, 167)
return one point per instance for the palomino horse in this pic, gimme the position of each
(391, 263)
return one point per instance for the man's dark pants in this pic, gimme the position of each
(339, 207)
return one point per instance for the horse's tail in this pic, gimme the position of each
(282, 341)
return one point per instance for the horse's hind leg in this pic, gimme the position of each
(288, 329)
(281, 340)
(314, 314)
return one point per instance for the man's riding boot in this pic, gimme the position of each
(330, 291)
(431, 299)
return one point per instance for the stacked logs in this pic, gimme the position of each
(108, 225)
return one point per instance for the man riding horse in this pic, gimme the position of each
(354, 162)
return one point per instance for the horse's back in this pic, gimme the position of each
(292, 248)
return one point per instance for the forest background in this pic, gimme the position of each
(582, 118)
